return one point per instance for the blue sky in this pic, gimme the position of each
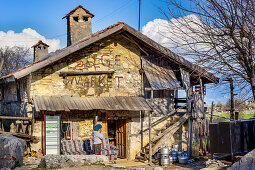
(44, 18)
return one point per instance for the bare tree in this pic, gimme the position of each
(239, 105)
(219, 35)
(13, 58)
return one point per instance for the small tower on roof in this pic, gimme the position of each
(40, 50)
(78, 24)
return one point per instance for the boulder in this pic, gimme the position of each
(245, 163)
(5, 168)
(11, 151)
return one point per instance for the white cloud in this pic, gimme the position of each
(174, 34)
(27, 38)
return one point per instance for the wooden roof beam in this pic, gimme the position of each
(133, 41)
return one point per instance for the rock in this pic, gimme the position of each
(140, 169)
(58, 161)
(5, 168)
(52, 161)
(87, 158)
(31, 160)
(11, 151)
(245, 163)
(157, 168)
(208, 162)
(118, 166)
(20, 168)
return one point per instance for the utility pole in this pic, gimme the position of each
(231, 99)
(139, 20)
(212, 108)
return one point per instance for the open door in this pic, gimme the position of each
(121, 137)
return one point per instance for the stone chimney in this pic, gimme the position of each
(78, 24)
(40, 50)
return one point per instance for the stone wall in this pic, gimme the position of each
(78, 29)
(40, 51)
(117, 55)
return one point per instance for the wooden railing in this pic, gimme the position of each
(24, 131)
(163, 119)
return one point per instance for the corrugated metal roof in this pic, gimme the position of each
(67, 103)
(160, 77)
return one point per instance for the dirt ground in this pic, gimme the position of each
(192, 166)
(133, 165)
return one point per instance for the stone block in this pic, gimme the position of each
(58, 161)
(246, 163)
(157, 168)
(11, 151)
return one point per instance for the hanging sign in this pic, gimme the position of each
(197, 89)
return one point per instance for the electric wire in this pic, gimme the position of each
(127, 3)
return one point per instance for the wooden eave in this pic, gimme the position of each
(73, 73)
(145, 44)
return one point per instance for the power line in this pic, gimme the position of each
(94, 23)
(127, 3)
(139, 20)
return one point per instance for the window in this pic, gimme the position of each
(159, 94)
(75, 19)
(85, 19)
(66, 130)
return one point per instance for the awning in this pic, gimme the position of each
(67, 103)
(160, 77)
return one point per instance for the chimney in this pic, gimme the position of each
(78, 24)
(40, 50)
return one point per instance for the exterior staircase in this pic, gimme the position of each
(166, 132)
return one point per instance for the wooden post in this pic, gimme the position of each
(95, 120)
(150, 147)
(141, 119)
(190, 138)
(150, 152)
(189, 112)
(236, 115)
(232, 109)
(202, 95)
(212, 108)
(176, 97)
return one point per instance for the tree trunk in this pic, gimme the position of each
(253, 86)
(1, 65)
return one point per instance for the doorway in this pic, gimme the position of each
(117, 134)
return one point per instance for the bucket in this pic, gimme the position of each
(164, 161)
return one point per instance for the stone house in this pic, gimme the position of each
(117, 77)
